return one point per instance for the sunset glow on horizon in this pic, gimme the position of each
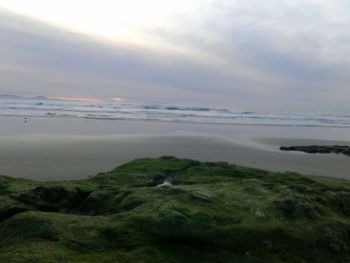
(117, 99)
(79, 99)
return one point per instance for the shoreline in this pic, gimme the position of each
(177, 122)
(66, 157)
(72, 149)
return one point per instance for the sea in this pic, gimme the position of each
(51, 108)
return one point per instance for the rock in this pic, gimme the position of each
(335, 247)
(201, 197)
(337, 149)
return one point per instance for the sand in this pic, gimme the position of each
(78, 149)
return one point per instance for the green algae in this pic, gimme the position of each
(206, 212)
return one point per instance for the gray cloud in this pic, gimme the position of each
(266, 55)
(301, 46)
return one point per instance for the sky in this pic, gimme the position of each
(275, 55)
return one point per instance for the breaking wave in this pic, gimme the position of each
(169, 113)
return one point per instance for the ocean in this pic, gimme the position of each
(165, 113)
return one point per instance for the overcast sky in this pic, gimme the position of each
(290, 55)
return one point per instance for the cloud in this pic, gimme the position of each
(241, 54)
(53, 61)
(297, 48)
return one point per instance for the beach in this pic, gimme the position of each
(72, 149)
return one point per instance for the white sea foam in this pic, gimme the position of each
(57, 108)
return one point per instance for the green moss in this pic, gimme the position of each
(206, 212)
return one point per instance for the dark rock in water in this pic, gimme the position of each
(337, 149)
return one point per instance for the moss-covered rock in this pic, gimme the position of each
(173, 210)
(337, 149)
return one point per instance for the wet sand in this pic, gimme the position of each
(49, 152)
(61, 157)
